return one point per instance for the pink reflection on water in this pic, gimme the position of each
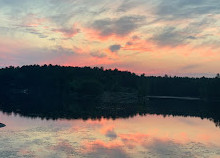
(153, 135)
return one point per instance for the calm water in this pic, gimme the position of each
(141, 136)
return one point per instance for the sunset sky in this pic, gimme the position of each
(155, 37)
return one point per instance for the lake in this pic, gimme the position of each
(142, 135)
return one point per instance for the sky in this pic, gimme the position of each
(155, 37)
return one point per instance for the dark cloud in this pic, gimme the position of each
(111, 134)
(174, 36)
(161, 149)
(61, 19)
(192, 66)
(35, 32)
(98, 54)
(169, 37)
(135, 37)
(119, 27)
(115, 48)
(171, 149)
(100, 151)
(191, 37)
(62, 50)
(43, 36)
(64, 146)
(129, 43)
(52, 39)
(128, 5)
(197, 26)
(179, 9)
(67, 32)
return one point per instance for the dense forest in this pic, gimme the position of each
(79, 82)
(82, 92)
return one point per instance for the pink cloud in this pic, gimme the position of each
(91, 146)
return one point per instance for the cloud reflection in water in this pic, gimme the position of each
(141, 136)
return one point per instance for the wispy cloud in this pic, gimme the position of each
(120, 26)
(130, 32)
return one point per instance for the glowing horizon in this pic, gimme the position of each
(154, 37)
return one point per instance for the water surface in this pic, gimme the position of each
(149, 135)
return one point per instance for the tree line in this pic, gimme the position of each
(52, 91)
(77, 82)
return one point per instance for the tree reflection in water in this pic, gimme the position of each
(97, 110)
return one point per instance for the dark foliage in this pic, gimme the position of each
(74, 92)
(58, 81)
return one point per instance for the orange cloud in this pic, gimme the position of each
(106, 129)
(139, 46)
(91, 146)
(135, 139)
(96, 122)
